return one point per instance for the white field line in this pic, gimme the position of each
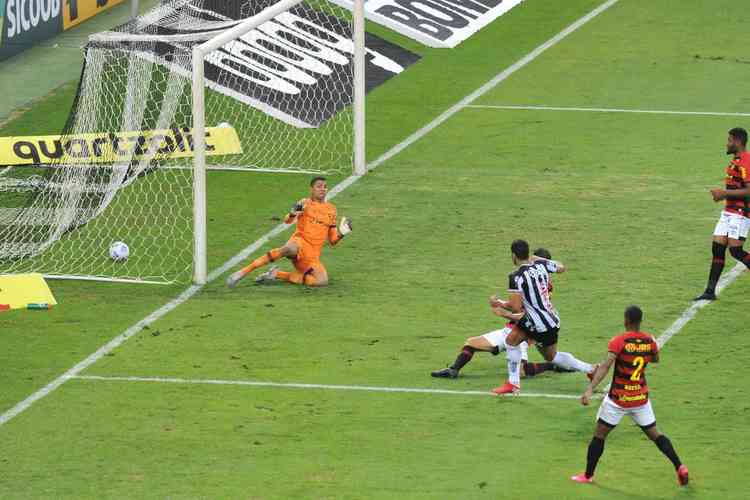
(607, 110)
(689, 313)
(192, 290)
(726, 280)
(368, 388)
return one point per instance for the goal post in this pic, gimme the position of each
(165, 101)
(199, 54)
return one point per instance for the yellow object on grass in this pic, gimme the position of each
(19, 291)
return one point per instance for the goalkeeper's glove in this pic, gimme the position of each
(296, 209)
(345, 227)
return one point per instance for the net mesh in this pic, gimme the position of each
(122, 168)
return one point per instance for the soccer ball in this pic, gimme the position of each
(119, 251)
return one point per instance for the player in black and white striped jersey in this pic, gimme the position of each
(529, 297)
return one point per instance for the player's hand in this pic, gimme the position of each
(298, 208)
(496, 301)
(586, 398)
(345, 227)
(718, 194)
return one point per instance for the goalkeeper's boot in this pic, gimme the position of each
(507, 388)
(268, 276)
(445, 373)
(235, 278)
(707, 295)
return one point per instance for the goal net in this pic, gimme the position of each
(276, 98)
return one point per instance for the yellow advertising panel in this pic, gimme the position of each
(77, 11)
(115, 147)
(24, 290)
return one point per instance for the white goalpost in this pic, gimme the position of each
(200, 52)
(187, 88)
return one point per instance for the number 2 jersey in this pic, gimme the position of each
(634, 351)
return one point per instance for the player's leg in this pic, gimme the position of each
(737, 239)
(718, 251)
(564, 360)
(289, 250)
(489, 342)
(310, 273)
(607, 418)
(534, 369)
(512, 346)
(645, 419)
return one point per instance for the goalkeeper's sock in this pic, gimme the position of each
(297, 278)
(263, 260)
(467, 352)
(293, 277)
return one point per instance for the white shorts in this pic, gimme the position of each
(611, 413)
(496, 338)
(734, 226)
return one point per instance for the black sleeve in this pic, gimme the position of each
(512, 284)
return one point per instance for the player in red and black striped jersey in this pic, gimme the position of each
(734, 221)
(630, 352)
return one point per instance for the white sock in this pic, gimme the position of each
(524, 350)
(514, 365)
(569, 362)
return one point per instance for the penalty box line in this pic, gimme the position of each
(334, 387)
(189, 292)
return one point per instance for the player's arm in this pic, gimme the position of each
(599, 374)
(507, 314)
(296, 210)
(552, 266)
(337, 234)
(656, 352)
(511, 309)
(730, 194)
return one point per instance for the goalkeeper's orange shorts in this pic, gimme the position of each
(308, 256)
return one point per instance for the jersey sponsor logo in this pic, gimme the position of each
(435, 23)
(287, 66)
(114, 147)
(631, 399)
(77, 11)
(634, 347)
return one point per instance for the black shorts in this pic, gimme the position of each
(543, 339)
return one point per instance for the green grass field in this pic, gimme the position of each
(621, 198)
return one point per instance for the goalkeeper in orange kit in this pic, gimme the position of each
(316, 224)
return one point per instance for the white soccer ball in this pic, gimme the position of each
(224, 125)
(119, 251)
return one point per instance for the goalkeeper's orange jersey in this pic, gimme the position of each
(316, 222)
